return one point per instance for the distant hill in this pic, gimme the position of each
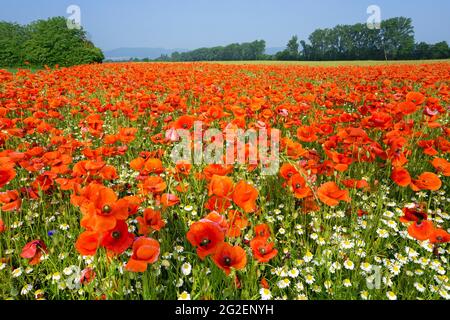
(141, 53)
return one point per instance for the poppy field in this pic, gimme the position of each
(93, 206)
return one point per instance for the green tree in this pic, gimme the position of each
(12, 39)
(440, 50)
(397, 38)
(51, 42)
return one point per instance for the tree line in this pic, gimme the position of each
(233, 52)
(394, 40)
(45, 43)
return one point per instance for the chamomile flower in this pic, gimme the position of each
(308, 257)
(309, 279)
(293, 273)
(283, 283)
(347, 283)
(419, 287)
(391, 295)
(265, 294)
(186, 268)
(349, 265)
(382, 233)
(184, 296)
(26, 289)
(365, 266)
(17, 272)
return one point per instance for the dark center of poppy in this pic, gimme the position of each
(205, 242)
(106, 209)
(185, 126)
(262, 250)
(439, 238)
(298, 186)
(227, 261)
(116, 235)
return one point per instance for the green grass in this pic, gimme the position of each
(15, 70)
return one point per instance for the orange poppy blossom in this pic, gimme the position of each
(414, 214)
(263, 251)
(7, 172)
(152, 185)
(169, 200)
(221, 186)
(2, 226)
(426, 181)
(421, 230)
(442, 166)
(262, 231)
(401, 177)
(33, 251)
(330, 194)
(150, 221)
(238, 222)
(299, 187)
(207, 236)
(87, 243)
(118, 239)
(439, 236)
(245, 196)
(145, 251)
(100, 207)
(229, 257)
(10, 201)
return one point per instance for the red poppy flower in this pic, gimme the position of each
(101, 209)
(299, 187)
(330, 194)
(152, 185)
(426, 181)
(439, 236)
(227, 257)
(145, 251)
(7, 172)
(413, 215)
(33, 251)
(2, 226)
(262, 231)
(220, 186)
(184, 122)
(10, 201)
(287, 171)
(88, 243)
(238, 222)
(169, 200)
(442, 166)
(206, 236)
(263, 251)
(150, 221)
(118, 239)
(421, 230)
(401, 177)
(244, 196)
(154, 166)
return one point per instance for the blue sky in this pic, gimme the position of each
(191, 24)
